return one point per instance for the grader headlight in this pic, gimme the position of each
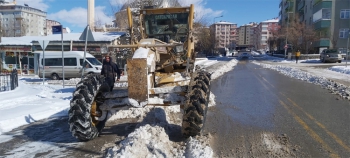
(179, 48)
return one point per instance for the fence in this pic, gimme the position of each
(8, 81)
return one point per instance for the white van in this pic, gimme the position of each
(73, 64)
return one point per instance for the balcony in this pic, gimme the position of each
(323, 42)
(289, 5)
(323, 23)
(301, 5)
(321, 5)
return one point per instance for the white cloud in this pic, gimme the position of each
(77, 17)
(201, 12)
(118, 3)
(38, 4)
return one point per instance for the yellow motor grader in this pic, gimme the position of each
(161, 72)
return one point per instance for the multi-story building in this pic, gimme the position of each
(331, 19)
(17, 20)
(266, 30)
(225, 34)
(49, 24)
(246, 35)
(305, 11)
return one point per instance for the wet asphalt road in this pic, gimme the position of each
(261, 113)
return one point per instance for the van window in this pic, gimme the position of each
(81, 63)
(94, 61)
(70, 62)
(52, 61)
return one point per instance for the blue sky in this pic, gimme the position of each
(72, 13)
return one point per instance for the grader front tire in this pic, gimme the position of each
(196, 105)
(81, 119)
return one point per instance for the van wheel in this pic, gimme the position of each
(339, 61)
(55, 77)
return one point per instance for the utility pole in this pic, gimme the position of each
(285, 50)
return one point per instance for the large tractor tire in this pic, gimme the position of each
(196, 105)
(84, 108)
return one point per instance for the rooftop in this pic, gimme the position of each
(27, 40)
(224, 23)
(271, 20)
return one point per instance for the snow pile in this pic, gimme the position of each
(194, 148)
(224, 68)
(341, 69)
(334, 87)
(146, 141)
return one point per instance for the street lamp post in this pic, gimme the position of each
(346, 51)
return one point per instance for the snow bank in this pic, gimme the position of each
(341, 69)
(224, 68)
(334, 87)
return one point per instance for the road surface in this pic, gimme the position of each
(261, 113)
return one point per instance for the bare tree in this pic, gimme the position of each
(298, 34)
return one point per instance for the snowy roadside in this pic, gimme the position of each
(33, 101)
(334, 87)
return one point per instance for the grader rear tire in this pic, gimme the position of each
(196, 105)
(82, 123)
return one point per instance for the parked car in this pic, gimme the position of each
(344, 56)
(330, 55)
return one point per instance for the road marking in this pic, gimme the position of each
(268, 82)
(335, 137)
(311, 132)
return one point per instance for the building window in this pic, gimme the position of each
(343, 33)
(345, 14)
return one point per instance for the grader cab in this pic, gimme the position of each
(161, 72)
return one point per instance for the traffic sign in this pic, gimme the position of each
(285, 47)
(57, 29)
(43, 43)
(87, 32)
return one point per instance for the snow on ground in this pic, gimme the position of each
(33, 101)
(341, 69)
(28, 103)
(334, 87)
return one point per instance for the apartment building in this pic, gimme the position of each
(225, 34)
(49, 24)
(17, 20)
(331, 19)
(247, 35)
(265, 31)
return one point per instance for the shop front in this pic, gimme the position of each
(17, 57)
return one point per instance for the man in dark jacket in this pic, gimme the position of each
(109, 71)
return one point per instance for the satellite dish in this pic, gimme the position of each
(68, 30)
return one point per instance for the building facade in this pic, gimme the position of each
(225, 34)
(247, 35)
(49, 24)
(17, 20)
(331, 20)
(266, 31)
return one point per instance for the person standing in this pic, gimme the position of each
(110, 70)
(297, 55)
